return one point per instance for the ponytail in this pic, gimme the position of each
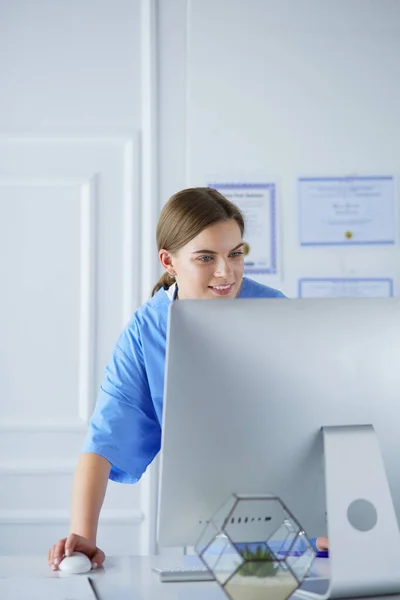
(164, 282)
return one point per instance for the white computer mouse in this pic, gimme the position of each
(76, 563)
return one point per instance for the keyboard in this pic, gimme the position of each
(184, 574)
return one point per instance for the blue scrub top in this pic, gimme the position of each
(126, 424)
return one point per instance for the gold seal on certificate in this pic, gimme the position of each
(246, 249)
(347, 210)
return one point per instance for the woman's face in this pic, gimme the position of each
(210, 265)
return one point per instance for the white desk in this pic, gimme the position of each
(128, 578)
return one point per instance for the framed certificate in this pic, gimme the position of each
(347, 210)
(345, 287)
(257, 201)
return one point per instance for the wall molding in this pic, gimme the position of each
(128, 142)
(131, 230)
(118, 136)
(150, 144)
(98, 161)
(87, 188)
(43, 468)
(47, 426)
(150, 212)
(87, 317)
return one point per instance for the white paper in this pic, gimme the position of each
(46, 588)
(346, 288)
(258, 204)
(347, 210)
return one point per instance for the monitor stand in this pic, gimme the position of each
(364, 539)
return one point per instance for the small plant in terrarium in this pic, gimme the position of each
(260, 563)
(255, 548)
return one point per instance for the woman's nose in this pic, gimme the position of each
(223, 269)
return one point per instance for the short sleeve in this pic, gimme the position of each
(124, 427)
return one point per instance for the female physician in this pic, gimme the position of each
(200, 244)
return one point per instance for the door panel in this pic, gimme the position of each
(69, 263)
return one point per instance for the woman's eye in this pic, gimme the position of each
(206, 259)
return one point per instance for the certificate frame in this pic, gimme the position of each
(318, 238)
(270, 189)
(388, 280)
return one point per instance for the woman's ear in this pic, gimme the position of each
(166, 260)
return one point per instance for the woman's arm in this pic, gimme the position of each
(89, 488)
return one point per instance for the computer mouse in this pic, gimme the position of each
(76, 563)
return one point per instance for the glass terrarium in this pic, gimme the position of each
(255, 548)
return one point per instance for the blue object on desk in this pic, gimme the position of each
(319, 553)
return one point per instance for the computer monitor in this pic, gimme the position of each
(298, 398)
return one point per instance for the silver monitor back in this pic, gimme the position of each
(249, 385)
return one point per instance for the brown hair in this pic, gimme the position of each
(185, 215)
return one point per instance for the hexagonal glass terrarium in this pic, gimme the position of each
(255, 548)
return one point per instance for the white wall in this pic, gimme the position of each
(246, 90)
(276, 90)
(70, 65)
(70, 103)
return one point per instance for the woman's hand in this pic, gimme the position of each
(322, 544)
(75, 543)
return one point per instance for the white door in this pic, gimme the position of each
(69, 261)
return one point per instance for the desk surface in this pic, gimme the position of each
(128, 577)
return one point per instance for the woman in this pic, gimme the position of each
(200, 246)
